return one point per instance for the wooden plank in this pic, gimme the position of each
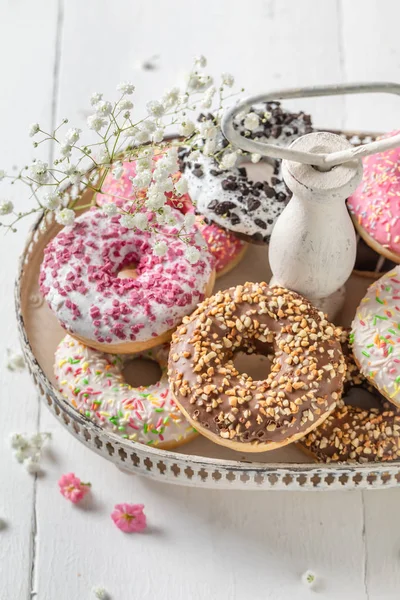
(378, 58)
(200, 543)
(27, 34)
(372, 53)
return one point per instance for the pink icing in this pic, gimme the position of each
(222, 244)
(376, 201)
(79, 279)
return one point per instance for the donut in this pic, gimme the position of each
(231, 200)
(223, 245)
(376, 335)
(375, 205)
(229, 407)
(356, 435)
(281, 127)
(93, 383)
(353, 434)
(79, 278)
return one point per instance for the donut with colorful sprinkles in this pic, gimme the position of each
(375, 205)
(93, 383)
(376, 335)
(82, 282)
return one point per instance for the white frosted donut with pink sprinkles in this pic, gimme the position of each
(93, 383)
(79, 278)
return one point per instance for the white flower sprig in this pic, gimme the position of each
(28, 450)
(82, 165)
(15, 361)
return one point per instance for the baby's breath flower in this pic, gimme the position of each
(142, 136)
(110, 209)
(158, 135)
(167, 216)
(103, 108)
(142, 179)
(255, 158)
(66, 216)
(18, 441)
(34, 129)
(128, 221)
(251, 121)
(100, 593)
(309, 579)
(74, 174)
(149, 126)
(51, 200)
(125, 104)
(171, 97)
(95, 98)
(187, 128)
(228, 160)
(198, 82)
(2, 174)
(190, 220)
(160, 248)
(72, 136)
(65, 150)
(181, 186)
(96, 123)
(155, 108)
(194, 155)
(118, 170)
(192, 255)
(209, 147)
(125, 88)
(200, 61)
(6, 207)
(140, 221)
(208, 97)
(228, 79)
(32, 465)
(155, 199)
(39, 172)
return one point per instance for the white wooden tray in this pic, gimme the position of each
(199, 463)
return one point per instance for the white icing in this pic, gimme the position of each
(376, 332)
(79, 279)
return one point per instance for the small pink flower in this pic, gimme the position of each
(129, 517)
(72, 487)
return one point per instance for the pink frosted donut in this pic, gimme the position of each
(224, 246)
(79, 278)
(375, 205)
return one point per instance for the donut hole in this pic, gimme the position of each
(257, 366)
(141, 372)
(358, 396)
(128, 271)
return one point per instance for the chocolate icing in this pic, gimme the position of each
(307, 365)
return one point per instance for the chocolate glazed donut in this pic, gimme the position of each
(232, 409)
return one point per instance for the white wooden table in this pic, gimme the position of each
(200, 543)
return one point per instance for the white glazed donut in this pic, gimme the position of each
(376, 335)
(229, 199)
(79, 280)
(92, 382)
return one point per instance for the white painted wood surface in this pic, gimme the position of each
(200, 543)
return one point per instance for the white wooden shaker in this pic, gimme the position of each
(313, 244)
